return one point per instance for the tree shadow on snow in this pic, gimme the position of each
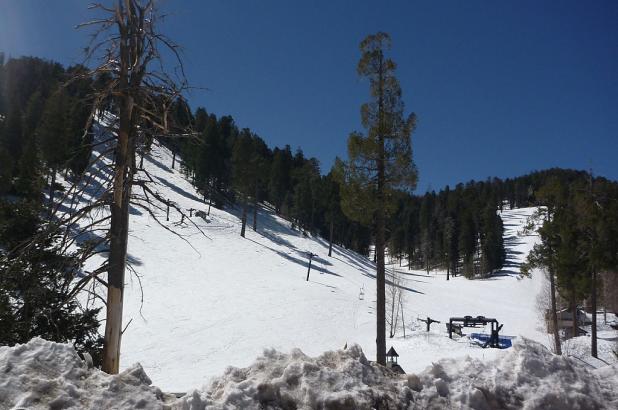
(179, 190)
(157, 163)
(302, 262)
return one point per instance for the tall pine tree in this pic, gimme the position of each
(380, 161)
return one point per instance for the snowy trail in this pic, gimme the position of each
(222, 299)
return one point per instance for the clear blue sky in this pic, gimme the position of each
(500, 87)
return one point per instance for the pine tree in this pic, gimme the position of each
(80, 136)
(467, 242)
(35, 284)
(6, 170)
(380, 161)
(29, 181)
(260, 168)
(53, 137)
(331, 204)
(449, 244)
(492, 246)
(210, 161)
(305, 194)
(427, 229)
(279, 184)
(12, 137)
(242, 176)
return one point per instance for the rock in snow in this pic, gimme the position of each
(47, 375)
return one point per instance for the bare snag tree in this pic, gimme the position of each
(139, 91)
(395, 301)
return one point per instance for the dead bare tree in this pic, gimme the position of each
(132, 93)
(128, 49)
(394, 301)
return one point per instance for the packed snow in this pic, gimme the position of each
(46, 375)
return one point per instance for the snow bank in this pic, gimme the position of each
(46, 375)
(342, 379)
(526, 377)
(579, 347)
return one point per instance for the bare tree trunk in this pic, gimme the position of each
(311, 223)
(119, 230)
(381, 228)
(330, 240)
(173, 159)
(209, 197)
(52, 190)
(403, 321)
(392, 297)
(574, 314)
(244, 217)
(594, 315)
(554, 313)
(255, 215)
(380, 274)
(255, 208)
(593, 330)
(396, 319)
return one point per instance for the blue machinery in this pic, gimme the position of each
(493, 340)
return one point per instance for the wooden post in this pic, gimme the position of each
(429, 321)
(593, 329)
(403, 322)
(167, 216)
(311, 255)
(244, 217)
(255, 208)
(330, 242)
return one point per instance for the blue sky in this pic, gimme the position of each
(500, 88)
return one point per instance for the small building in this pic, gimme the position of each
(391, 361)
(565, 319)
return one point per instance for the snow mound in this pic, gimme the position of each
(48, 375)
(527, 376)
(342, 379)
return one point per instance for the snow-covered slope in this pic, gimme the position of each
(215, 300)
